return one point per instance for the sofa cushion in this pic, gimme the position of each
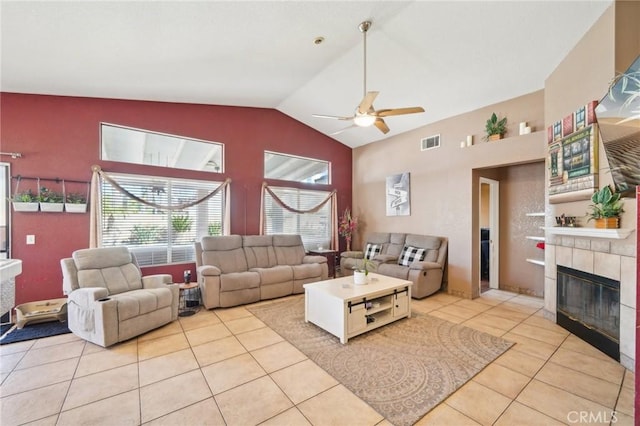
(239, 281)
(306, 271)
(410, 254)
(139, 302)
(274, 275)
(393, 270)
(396, 244)
(372, 250)
(259, 252)
(225, 252)
(289, 249)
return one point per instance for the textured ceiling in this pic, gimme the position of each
(448, 57)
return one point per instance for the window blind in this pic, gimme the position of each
(157, 236)
(314, 228)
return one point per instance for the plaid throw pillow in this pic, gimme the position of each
(372, 250)
(410, 254)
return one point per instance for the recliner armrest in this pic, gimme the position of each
(314, 259)
(86, 296)
(157, 280)
(425, 266)
(209, 270)
(352, 254)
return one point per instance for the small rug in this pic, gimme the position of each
(403, 369)
(35, 331)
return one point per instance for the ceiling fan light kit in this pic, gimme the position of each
(365, 115)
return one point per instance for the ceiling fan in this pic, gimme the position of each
(365, 115)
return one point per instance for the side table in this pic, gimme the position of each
(331, 256)
(188, 293)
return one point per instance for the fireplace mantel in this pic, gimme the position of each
(614, 234)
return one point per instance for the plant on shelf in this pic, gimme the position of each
(75, 202)
(50, 201)
(347, 226)
(495, 128)
(606, 208)
(25, 201)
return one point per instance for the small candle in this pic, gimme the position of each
(523, 126)
(469, 140)
(462, 144)
(527, 130)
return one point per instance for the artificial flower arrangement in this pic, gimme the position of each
(347, 226)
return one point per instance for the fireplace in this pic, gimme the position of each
(589, 306)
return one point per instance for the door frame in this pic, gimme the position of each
(494, 230)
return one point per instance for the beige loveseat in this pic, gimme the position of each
(235, 270)
(428, 271)
(109, 300)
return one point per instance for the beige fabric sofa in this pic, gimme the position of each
(235, 270)
(109, 301)
(427, 275)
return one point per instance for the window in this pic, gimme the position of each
(297, 169)
(137, 146)
(158, 236)
(314, 228)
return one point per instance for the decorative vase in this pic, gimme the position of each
(608, 223)
(348, 244)
(495, 137)
(359, 277)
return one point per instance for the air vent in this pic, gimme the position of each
(430, 143)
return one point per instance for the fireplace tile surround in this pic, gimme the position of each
(615, 259)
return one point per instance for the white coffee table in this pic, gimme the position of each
(345, 309)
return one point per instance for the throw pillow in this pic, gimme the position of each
(410, 254)
(372, 250)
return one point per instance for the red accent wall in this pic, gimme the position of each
(59, 138)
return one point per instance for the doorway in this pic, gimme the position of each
(489, 217)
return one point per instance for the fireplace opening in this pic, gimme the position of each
(589, 306)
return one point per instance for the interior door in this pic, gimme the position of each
(492, 248)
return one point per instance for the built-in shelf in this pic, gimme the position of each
(614, 234)
(536, 262)
(536, 214)
(530, 237)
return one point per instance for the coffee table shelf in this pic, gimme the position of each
(346, 310)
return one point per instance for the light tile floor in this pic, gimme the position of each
(227, 367)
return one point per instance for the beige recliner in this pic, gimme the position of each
(109, 301)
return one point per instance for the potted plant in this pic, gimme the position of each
(50, 201)
(495, 128)
(360, 274)
(25, 201)
(606, 208)
(75, 202)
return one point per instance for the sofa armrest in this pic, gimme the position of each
(425, 266)
(158, 280)
(209, 270)
(352, 254)
(314, 259)
(86, 296)
(385, 258)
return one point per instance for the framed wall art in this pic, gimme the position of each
(398, 195)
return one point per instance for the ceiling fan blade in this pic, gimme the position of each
(335, 117)
(367, 102)
(398, 111)
(381, 125)
(342, 130)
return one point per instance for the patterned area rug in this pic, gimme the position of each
(403, 369)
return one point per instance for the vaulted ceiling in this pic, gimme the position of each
(448, 57)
